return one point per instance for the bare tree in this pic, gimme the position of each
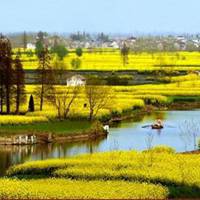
(149, 140)
(99, 97)
(64, 100)
(24, 40)
(149, 143)
(189, 131)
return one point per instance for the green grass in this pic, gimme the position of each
(56, 127)
(184, 99)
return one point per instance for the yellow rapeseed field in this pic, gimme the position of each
(112, 60)
(124, 98)
(157, 173)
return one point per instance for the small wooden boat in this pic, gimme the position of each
(156, 126)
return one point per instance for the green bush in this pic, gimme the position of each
(97, 127)
(115, 113)
(105, 118)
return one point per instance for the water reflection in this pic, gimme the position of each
(11, 155)
(123, 136)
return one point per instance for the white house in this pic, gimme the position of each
(87, 45)
(196, 43)
(30, 46)
(181, 38)
(114, 45)
(76, 80)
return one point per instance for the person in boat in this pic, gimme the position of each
(158, 123)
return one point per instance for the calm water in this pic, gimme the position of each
(124, 136)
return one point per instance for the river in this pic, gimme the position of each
(180, 132)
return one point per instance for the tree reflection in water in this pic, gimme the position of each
(11, 154)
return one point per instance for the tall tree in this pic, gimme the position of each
(39, 47)
(125, 53)
(24, 40)
(41, 36)
(19, 83)
(45, 77)
(40, 43)
(7, 72)
(2, 88)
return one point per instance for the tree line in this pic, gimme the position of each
(12, 78)
(12, 85)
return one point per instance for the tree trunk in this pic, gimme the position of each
(91, 114)
(1, 101)
(42, 97)
(7, 99)
(17, 100)
(42, 82)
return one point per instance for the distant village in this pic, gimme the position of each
(101, 40)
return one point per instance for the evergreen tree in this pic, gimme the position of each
(31, 105)
(79, 52)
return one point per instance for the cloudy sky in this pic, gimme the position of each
(110, 16)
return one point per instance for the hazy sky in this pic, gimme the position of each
(110, 16)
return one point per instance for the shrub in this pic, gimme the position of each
(97, 127)
(115, 113)
(105, 118)
(76, 63)
(162, 149)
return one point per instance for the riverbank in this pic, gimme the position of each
(55, 126)
(184, 106)
(192, 152)
(44, 138)
(36, 134)
(71, 131)
(148, 109)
